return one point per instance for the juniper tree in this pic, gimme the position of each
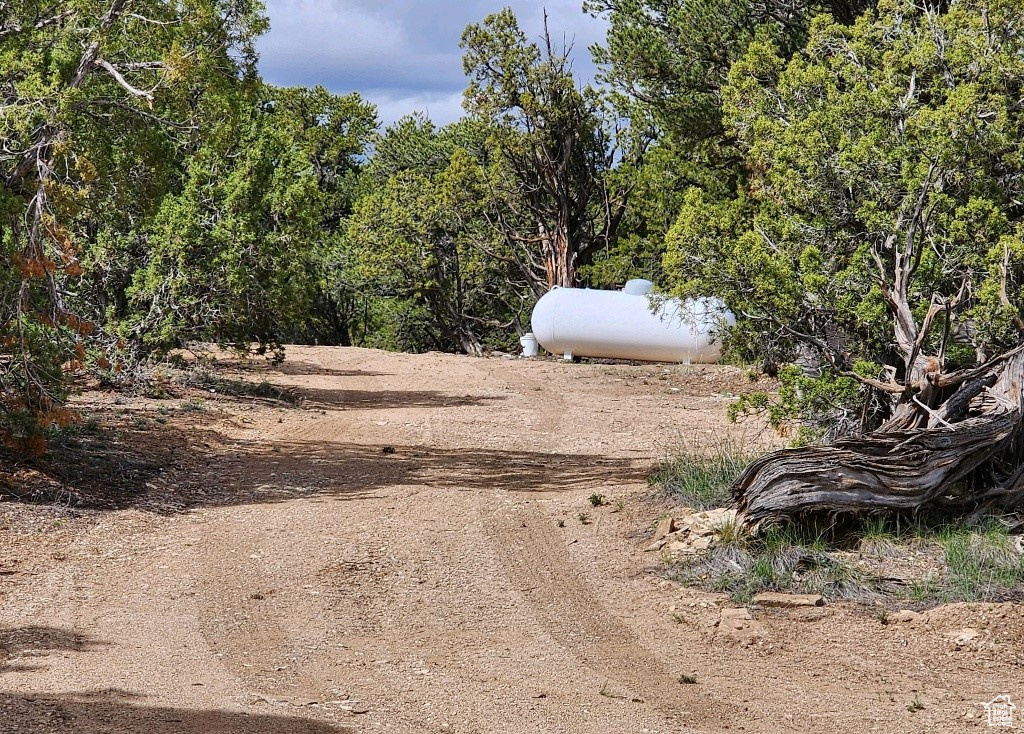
(558, 145)
(882, 229)
(95, 98)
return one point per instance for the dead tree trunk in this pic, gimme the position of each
(968, 460)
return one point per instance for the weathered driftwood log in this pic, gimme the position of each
(966, 459)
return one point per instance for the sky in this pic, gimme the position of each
(402, 55)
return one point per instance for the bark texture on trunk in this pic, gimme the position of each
(967, 460)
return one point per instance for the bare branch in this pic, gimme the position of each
(40, 23)
(835, 359)
(109, 68)
(1004, 267)
(953, 379)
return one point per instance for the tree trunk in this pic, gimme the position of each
(469, 343)
(968, 461)
(559, 258)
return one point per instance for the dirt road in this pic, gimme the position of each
(414, 550)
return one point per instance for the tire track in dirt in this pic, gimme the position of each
(391, 540)
(537, 564)
(409, 537)
(553, 593)
(569, 609)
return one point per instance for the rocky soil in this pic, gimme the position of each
(412, 548)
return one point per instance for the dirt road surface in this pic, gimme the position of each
(413, 549)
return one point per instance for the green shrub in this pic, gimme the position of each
(980, 564)
(777, 559)
(701, 475)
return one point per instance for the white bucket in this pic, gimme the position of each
(529, 344)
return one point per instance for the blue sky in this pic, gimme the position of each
(402, 55)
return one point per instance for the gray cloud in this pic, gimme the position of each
(403, 55)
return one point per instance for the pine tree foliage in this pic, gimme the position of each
(96, 97)
(558, 143)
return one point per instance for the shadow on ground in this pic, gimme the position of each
(173, 468)
(169, 456)
(113, 711)
(299, 367)
(386, 399)
(96, 468)
(122, 712)
(258, 473)
(26, 648)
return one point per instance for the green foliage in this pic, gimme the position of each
(674, 57)
(776, 559)
(700, 476)
(937, 564)
(555, 143)
(670, 61)
(981, 565)
(655, 187)
(242, 388)
(243, 252)
(825, 407)
(883, 169)
(98, 100)
(423, 240)
(877, 537)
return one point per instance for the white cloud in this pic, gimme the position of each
(342, 47)
(400, 52)
(440, 108)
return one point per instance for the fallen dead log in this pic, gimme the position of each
(966, 459)
(892, 471)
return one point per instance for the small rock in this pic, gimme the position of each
(906, 616)
(735, 614)
(360, 708)
(739, 626)
(709, 521)
(775, 599)
(665, 526)
(964, 637)
(656, 545)
(701, 543)
(680, 546)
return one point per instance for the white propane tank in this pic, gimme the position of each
(580, 322)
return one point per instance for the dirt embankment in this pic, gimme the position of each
(413, 549)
